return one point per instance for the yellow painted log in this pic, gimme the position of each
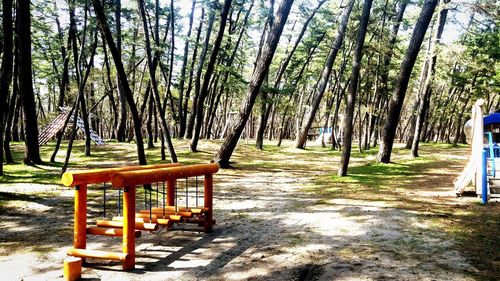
(104, 175)
(115, 232)
(72, 269)
(119, 224)
(132, 178)
(137, 219)
(96, 254)
(167, 213)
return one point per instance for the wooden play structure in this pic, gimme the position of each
(57, 125)
(483, 166)
(162, 180)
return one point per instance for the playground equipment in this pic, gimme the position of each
(482, 168)
(324, 133)
(57, 125)
(128, 223)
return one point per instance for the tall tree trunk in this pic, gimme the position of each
(260, 72)
(170, 69)
(15, 90)
(149, 120)
(460, 121)
(14, 100)
(23, 35)
(325, 75)
(351, 97)
(182, 123)
(229, 63)
(5, 73)
(265, 109)
(110, 90)
(197, 81)
(405, 70)
(426, 93)
(384, 76)
(82, 81)
(13, 109)
(78, 62)
(64, 82)
(64, 86)
(101, 18)
(152, 76)
(122, 124)
(208, 75)
(267, 102)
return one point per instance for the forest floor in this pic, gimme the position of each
(282, 214)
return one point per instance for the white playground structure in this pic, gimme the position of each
(483, 166)
(324, 134)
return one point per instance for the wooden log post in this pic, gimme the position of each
(208, 201)
(128, 246)
(80, 227)
(171, 191)
(72, 269)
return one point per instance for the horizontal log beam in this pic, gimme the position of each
(133, 178)
(104, 175)
(83, 253)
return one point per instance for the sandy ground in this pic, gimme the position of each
(268, 228)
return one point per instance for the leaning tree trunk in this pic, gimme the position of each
(181, 119)
(5, 72)
(170, 69)
(229, 62)
(260, 72)
(267, 105)
(396, 102)
(64, 85)
(325, 76)
(351, 97)
(101, 18)
(12, 112)
(208, 74)
(78, 71)
(197, 81)
(122, 124)
(460, 120)
(288, 58)
(429, 80)
(79, 100)
(23, 35)
(11, 132)
(152, 73)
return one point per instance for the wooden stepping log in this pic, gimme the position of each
(116, 232)
(119, 224)
(195, 210)
(96, 254)
(72, 269)
(167, 213)
(145, 218)
(137, 219)
(162, 220)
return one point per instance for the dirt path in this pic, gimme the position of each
(269, 227)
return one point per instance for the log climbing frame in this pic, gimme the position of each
(129, 226)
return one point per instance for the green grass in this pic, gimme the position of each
(475, 227)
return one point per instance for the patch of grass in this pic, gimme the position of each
(350, 253)
(240, 215)
(474, 227)
(294, 240)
